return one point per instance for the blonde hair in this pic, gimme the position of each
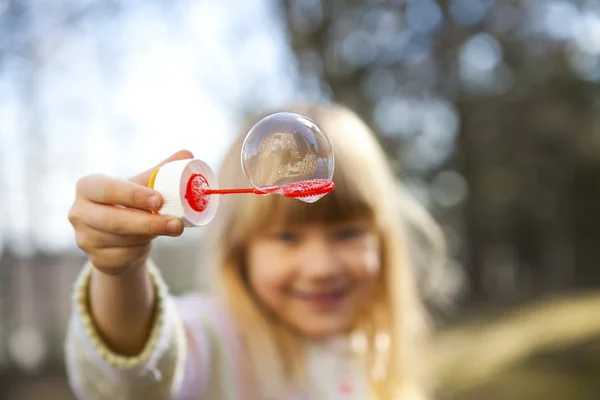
(365, 187)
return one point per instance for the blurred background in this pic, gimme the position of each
(490, 110)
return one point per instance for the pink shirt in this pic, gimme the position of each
(193, 353)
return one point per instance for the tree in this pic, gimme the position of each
(498, 93)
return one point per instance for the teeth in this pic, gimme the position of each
(333, 292)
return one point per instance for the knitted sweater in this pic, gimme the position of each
(192, 353)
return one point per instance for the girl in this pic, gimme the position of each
(313, 301)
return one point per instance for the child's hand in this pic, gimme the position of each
(112, 219)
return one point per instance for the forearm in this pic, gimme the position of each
(122, 308)
(192, 350)
(96, 372)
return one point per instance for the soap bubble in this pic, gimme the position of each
(286, 148)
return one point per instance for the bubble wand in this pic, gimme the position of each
(285, 154)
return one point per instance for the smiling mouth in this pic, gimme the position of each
(324, 299)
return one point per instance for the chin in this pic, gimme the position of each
(323, 331)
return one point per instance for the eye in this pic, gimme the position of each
(348, 233)
(287, 237)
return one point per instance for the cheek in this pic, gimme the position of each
(372, 263)
(368, 273)
(365, 259)
(370, 270)
(267, 277)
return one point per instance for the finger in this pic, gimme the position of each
(107, 190)
(124, 221)
(90, 240)
(144, 177)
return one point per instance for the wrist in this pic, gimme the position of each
(123, 315)
(128, 269)
(134, 277)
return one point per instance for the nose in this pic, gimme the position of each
(319, 259)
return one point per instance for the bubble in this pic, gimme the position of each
(288, 151)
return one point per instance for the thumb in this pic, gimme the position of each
(144, 177)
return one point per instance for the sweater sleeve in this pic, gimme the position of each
(95, 372)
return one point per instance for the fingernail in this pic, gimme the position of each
(174, 226)
(153, 202)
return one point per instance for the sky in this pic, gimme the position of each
(116, 92)
(117, 95)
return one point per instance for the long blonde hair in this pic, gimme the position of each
(365, 186)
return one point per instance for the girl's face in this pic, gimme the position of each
(315, 278)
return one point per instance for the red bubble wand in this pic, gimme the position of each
(198, 190)
(189, 187)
